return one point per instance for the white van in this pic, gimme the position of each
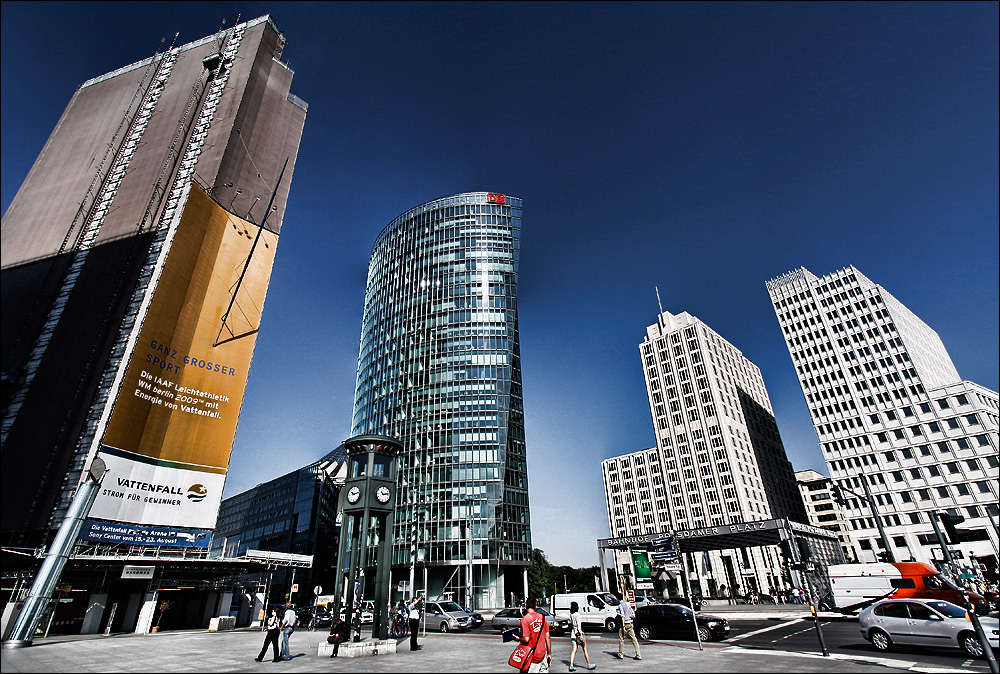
(596, 608)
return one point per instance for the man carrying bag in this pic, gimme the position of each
(534, 653)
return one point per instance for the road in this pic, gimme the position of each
(843, 638)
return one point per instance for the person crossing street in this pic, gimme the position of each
(626, 616)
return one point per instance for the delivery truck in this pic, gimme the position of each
(857, 586)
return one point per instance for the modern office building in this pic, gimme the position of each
(439, 369)
(892, 414)
(142, 227)
(718, 459)
(294, 513)
(823, 510)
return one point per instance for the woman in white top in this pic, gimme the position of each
(577, 637)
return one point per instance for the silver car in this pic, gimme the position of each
(446, 616)
(511, 617)
(924, 622)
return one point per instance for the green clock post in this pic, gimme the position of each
(369, 499)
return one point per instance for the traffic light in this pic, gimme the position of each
(949, 522)
(785, 548)
(882, 556)
(805, 552)
(838, 496)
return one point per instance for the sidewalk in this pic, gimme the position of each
(477, 651)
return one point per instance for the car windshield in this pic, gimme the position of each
(947, 608)
(451, 607)
(609, 599)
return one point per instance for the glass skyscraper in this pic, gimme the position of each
(439, 369)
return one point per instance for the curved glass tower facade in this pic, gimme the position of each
(439, 369)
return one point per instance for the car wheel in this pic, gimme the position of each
(611, 625)
(704, 633)
(645, 633)
(444, 627)
(970, 644)
(881, 641)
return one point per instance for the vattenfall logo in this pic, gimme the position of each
(197, 492)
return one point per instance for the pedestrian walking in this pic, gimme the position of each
(287, 627)
(625, 617)
(535, 634)
(339, 633)
(578, 638)
(273, 627)
(415, 607)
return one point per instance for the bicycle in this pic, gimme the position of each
(399, 626)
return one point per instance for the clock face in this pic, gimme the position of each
(383, 494)
(353, 495)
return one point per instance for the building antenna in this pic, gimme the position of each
(659, 303)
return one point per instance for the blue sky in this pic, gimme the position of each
(700, 147)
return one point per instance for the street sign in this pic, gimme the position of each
(967, 576)
(318, 590)
(662, 556)
(295, 587)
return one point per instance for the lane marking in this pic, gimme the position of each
(765, 629)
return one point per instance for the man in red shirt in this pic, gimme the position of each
(535, 633)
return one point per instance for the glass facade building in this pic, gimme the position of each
(439, 369)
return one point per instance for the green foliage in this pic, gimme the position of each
(556, 579)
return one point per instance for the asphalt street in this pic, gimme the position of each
(479, 651)
(843, 639)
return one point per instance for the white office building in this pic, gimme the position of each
(891, 410)
(718, 458)
(823, 510)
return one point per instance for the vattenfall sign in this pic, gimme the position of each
(138, 572)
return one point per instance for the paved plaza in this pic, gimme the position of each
(477, 651)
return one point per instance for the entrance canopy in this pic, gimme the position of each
(823, 546)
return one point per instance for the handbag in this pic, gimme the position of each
(521, 657)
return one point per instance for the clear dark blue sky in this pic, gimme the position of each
(702, 148)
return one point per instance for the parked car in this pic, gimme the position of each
(314, 617)
(367, 612)
(446, 616)
(673, 621)
(477, 618)
(684, 601)
(511, 617)
(924, 622)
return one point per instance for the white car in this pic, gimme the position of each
(924, 622)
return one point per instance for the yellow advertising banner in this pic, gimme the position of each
(170, 435)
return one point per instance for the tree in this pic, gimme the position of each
(539, 574)
(557, 579)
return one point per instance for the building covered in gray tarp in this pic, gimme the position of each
(84, 239)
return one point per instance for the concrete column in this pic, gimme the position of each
(255, 607)
(10, 613)
(131, 610)
(225, 601)
(211, 600)
(95, 611)
(145, 623)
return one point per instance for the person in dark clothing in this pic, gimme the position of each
(339, 633)
(415, 606)
(273, 626)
